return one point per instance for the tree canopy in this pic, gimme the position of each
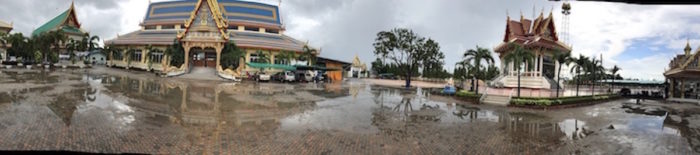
(405, 49)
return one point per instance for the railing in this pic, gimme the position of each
(483, 96)
(510, 96)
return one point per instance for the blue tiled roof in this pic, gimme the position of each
(235, 10)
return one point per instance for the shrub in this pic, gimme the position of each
(557, 101)
(468, 94)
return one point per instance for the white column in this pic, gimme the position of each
(541, 65)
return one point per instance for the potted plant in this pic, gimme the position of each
(20, 62)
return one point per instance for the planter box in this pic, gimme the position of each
(47, 66)
(29, 66)
(8, 67)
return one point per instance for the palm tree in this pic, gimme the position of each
(580, 64)
(561, 58)
(476, 57)
(519, 55)
(151, 51)
(262, 58)
(468, 71)
(595, 68)
(71, 46)
(127, 56)
(175, 54)
(286, 57)
(614, 71)
(309, 55)
(89, 43)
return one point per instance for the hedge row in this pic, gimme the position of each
(558, 101)
(468, 94)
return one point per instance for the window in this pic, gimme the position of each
(118, 55)
(252, 29)
(167, 27)
(156, 57)
(150, 27)
(272, 31)
(280, 60)
(136, 55)
(233, 27)
(256, 58)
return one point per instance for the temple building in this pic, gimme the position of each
(202, 27)
(683, 76)
(66, 22)
(540, 37)
(358, 69)
(5, 28)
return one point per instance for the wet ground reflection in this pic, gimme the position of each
(99, 111)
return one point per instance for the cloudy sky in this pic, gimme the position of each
(640, 39)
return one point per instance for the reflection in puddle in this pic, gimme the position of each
(168, 114)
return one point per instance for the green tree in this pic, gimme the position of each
(151, 54)
(595, 68)
(561, 58)
(52, 40)
(262, 58)
(579, 65)
(71, 47)
(406, 50)
(309, 55)
(519, 55)
(378, 66)
(492, 72)
(614, 71)
(18, 44)
(476, 57)
(176, 53)
(128, 55)
(88, 42)
(231, 55)
(285, 57)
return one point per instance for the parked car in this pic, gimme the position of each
(304, 76)
(262, 76)
(285, 76)
(390, 76)
(625, 92)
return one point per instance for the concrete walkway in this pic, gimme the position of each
(201, 73)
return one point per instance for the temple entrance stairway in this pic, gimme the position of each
(496, 100)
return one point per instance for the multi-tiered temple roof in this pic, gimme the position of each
(540, 33)
(66, 22)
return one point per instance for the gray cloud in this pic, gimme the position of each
(99, 17)
(347, 28)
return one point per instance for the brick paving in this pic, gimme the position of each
(108, 114)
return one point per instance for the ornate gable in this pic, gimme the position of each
(206, 22)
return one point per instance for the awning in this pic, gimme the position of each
(305, 67)
(266, 65)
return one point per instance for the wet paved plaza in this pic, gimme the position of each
(112, 111)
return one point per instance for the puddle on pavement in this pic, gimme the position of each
(206, 110)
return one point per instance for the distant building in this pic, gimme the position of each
(683, 75)
(203, 27)
(335, 68)
(540, 37)
(358, 69)
(66, 22)
(4, 28)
